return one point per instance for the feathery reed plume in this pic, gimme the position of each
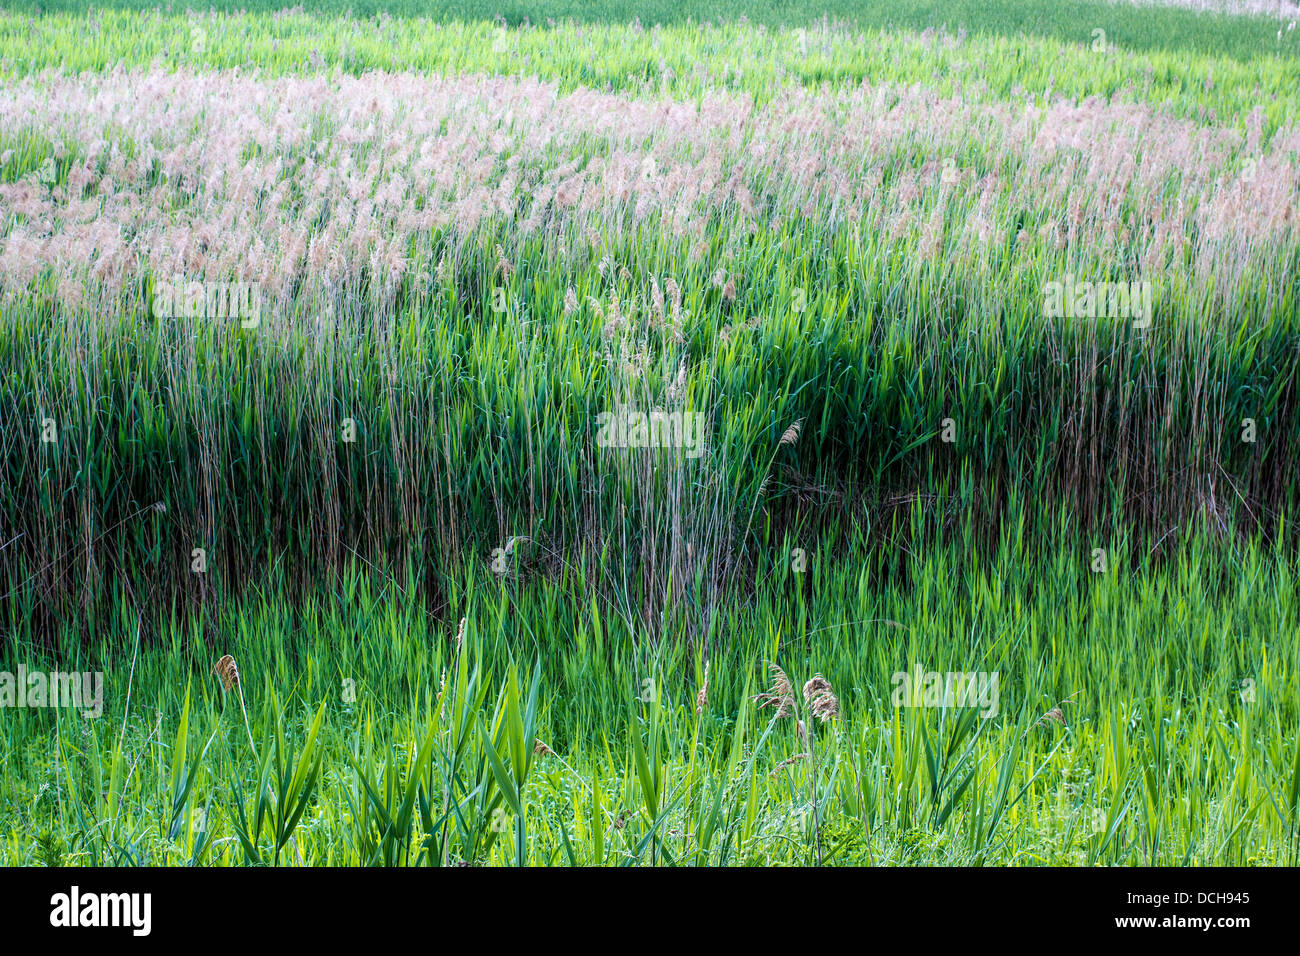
(788, 437)
(674, 300)
(702, 698)
(540, 749)
(678, 385)
(503, 267)
(780, 695)
(227, 670)
(820, 698)
(790, 760)
(1055, 715)
(460, 634)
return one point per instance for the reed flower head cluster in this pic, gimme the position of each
(820, 698)
(780, 695)
(227, 671)
(310, 184)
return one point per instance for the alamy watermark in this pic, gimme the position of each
(77, 909)
(77, 691)
(177, 298)
(627, 428)
(919, 688)
(1084, 299)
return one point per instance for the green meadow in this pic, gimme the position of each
(897, 560)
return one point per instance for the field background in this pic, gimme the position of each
(825, 229)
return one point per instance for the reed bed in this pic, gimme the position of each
(1258, 29)
(438, 261)
(1145, 716)
(458, 442)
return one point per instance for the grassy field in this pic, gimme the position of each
(1155, 25)
(311, 326)
(1144, 717)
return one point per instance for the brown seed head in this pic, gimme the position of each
(228, 672)
(1055, 715)
(820, 698)
(780, 695)
(702, 698)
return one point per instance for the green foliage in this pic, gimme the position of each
(473, 638)
(1227, 67)
(1142, 27)
(435, 755)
